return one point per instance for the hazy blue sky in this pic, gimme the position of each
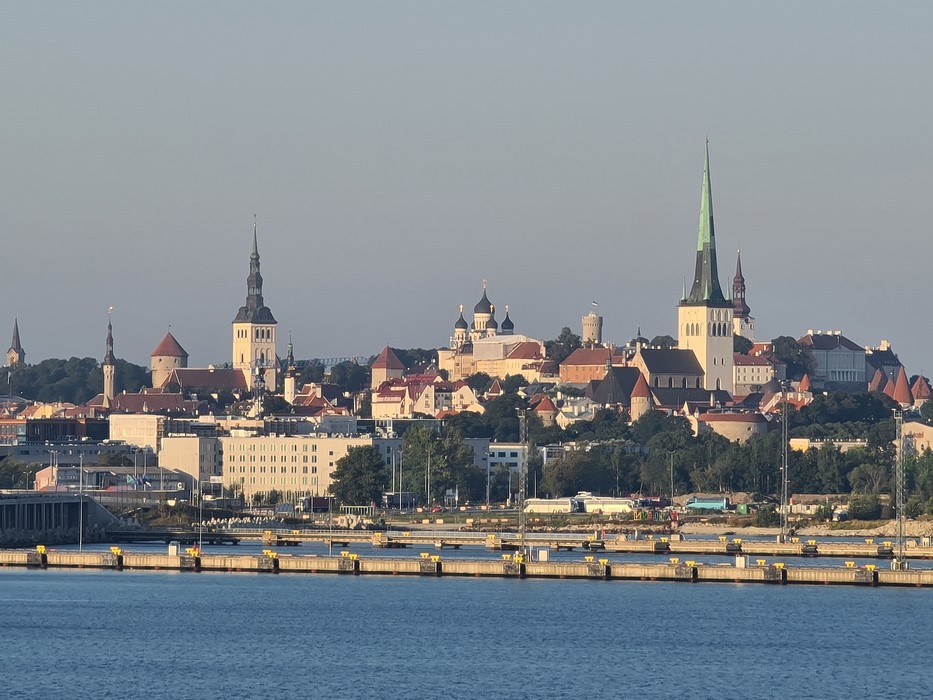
(399, 153)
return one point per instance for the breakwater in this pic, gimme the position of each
(508, 566)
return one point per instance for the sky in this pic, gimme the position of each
(397, 154)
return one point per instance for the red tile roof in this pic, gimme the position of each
(590, 357)
(169, 347)
(525, 351)
(224, 379)
(387, 359)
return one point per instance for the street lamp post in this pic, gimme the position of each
(671, 453)
(81, 502)
(487, 480)
(784, 480)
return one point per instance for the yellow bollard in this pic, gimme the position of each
(604, 562)
(675, 560)
(850, 564)
(425, 555)
(435, 558)
(761, 562)
(40, 548)
(589, 558)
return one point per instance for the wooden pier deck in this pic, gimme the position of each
(508, 566)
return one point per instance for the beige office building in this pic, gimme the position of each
(295, 466)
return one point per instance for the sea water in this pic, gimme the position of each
(106, 634)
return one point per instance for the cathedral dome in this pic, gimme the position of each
(461, 324)
(483, 306)
(507, 324)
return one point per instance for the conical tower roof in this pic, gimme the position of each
(805, 384)
(706, 289)
(169, 347)
(902, 389)
(921, 389)
(878, 380)
(16, 346)
(641, 390)
(387, 359)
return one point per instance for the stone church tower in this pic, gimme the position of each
(742, 322)
(109, 366)
(254, 331)
(704, 316)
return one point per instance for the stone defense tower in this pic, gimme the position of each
(704, 316)
(592, 329)
(254, 330)
(742, 322)
(168, 356)
(15, 355)
(109, 365)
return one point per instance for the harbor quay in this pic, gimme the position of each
(671, 545)
(509, 565)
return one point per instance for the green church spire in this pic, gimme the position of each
(706, 289)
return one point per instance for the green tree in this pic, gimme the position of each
(512, 383)
(798, 359)
(561, 347)
(574, 472)
(479, 382)
(866, 507)
(446, 457)
(360, 477)
(349, 376)
(741, 344)
(663, 341)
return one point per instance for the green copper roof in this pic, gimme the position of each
(706, 289)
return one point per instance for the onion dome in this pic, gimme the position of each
(461, 324)
(483, 306)
(507, 324)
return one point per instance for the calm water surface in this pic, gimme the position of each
(103, 634)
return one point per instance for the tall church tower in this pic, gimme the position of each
(254, 331)
(291, 373)
(109, 365)
(704, 316)
(742, 322)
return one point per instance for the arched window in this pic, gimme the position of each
(670, 382)
(684, 383)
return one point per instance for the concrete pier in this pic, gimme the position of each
(507, 566)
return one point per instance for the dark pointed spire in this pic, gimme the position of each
(255, 310)
(706, 289)
(739, 307)
(109, 359)
(15, 345)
